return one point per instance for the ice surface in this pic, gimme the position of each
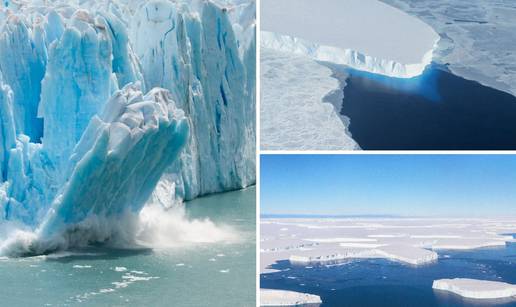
(476, 289)
(103, 102)
(477, 37)
(413, 241)
(269, 297)
(347, 32)
(293, 114)
(294, 86)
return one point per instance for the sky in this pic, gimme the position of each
(406, 185)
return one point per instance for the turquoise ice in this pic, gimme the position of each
(101, 101)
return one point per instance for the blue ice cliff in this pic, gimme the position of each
(107, 106)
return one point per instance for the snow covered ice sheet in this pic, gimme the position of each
(476, 38)
(297, 109)
(300, 97)
(364, 34)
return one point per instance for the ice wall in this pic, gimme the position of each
(80, 138)
(346, 32)
(22, 62)
(212, 72)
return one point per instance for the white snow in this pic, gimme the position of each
(361, 245)
(269, 297)
(407, 254)
(296, 109)
(476, 289)
(364, 34)
(337, 240)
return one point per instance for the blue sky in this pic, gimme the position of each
(410, 185)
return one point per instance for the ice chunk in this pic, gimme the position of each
(108, 181)
(476, 289)
(270, 297)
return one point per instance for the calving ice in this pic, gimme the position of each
(105, 106)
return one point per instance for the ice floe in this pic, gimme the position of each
(269, 297)
(476, 289)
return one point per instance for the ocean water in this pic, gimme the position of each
(216, 274)
(379, 282)
(436, 110)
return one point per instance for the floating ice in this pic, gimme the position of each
(412, 241)
(476, 289)
(269, 297)
(79, 266)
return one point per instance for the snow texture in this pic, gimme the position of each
(292, 112)
(476, 289)
(476, 38)
(103, 102)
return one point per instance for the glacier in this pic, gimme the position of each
(347, 33)
(109, 106)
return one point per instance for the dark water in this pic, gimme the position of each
(378, 282)
(436, 110)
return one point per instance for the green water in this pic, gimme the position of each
(217, 274)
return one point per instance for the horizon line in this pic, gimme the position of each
(318, 215)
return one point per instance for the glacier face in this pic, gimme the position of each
(347, 33)
(100, 101)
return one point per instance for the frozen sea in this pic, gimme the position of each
(192, 275)
(378, 282)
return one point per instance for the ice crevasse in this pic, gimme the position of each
(101, 101)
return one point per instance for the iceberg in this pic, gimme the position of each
(476, 289)
(106, 108)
